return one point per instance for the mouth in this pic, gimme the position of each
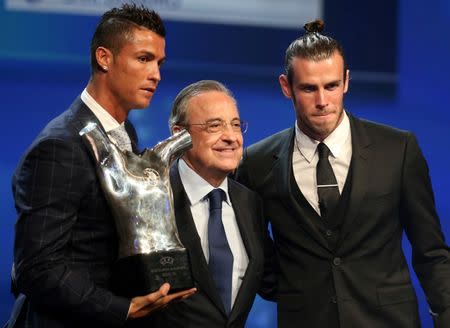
(149, 90)
(323, 117)
(228, 153)
(323, 114)
(228, 150)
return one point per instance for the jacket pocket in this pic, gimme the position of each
(396, 294)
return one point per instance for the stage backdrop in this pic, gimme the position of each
(397, 51)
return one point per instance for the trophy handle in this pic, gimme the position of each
(172, 148)
(107, 156)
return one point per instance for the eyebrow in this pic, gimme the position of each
(150, 54)
(334, 82)
(219, 119)
(302, 85)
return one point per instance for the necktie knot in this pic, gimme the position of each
(323, 150)
(216, 196)
(121, 138)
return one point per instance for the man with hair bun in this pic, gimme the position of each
(339, 192)
(65, 239)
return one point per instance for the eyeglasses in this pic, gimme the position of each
(216, 126)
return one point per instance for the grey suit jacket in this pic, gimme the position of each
(65, 238)
(364, 281)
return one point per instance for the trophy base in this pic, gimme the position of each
(141, 274)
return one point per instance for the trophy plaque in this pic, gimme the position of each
(137, 189)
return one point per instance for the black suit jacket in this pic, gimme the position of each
(364, 281)
(65, 238)
(205, 309)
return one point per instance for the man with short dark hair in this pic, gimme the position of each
(66, 242)
(339, 193)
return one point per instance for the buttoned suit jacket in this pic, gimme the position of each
(65, 238)
(365, 278)
(205, 308)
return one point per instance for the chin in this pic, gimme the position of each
(228, 168)
(229, 162)
(144, 106)
(144, 103)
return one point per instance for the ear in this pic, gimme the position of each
(177, 128)
(104, 57)
(347, 79)
(285, 87)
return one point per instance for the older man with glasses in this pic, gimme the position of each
(220, 221)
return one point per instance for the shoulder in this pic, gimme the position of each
(263, 153)
(59, 140)
(270, 144)
(379, 132)
(66, 127)
(259, 158)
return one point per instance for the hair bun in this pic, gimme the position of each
(316, 26)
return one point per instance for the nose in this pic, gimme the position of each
(154, 74)
(321, 99)
(229, 134)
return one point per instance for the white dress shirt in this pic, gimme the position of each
(106, 120)
(305, 158)
(196, 189)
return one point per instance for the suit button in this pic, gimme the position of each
(337, 261)
(333, 299)
(328, 233)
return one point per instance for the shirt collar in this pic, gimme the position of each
(195, 186)
(335, 141)
(107, 121)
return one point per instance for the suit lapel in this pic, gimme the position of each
(191, 240)
(83, 115)
(283, 174)
(244, 218)
(360, 175)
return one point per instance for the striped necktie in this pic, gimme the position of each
(120, 138)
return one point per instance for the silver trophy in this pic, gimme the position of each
(138, 191)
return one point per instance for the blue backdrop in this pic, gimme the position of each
(397, 51)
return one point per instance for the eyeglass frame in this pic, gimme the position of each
(207, 125)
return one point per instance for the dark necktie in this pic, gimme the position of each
(327, 187)
(220, 256)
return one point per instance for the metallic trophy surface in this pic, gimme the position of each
(138, 191)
